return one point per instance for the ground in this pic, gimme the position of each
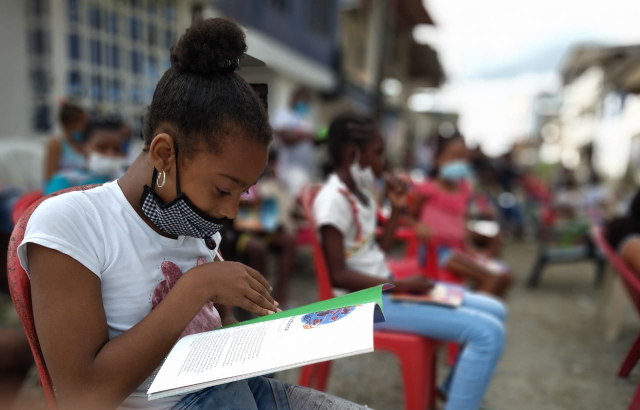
(556, 355)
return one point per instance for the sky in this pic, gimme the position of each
(497, 54)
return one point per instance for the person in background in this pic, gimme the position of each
(104, 158)
(345, 215)
(295, 132)
(66, 151)
(623, 234)
(441, 210)
(265, 224)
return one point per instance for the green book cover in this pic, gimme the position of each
(356, 298)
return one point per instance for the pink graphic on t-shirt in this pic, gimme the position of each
(207, 319)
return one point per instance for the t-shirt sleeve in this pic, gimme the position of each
(66, 224)
(426, 189)
(332, 208)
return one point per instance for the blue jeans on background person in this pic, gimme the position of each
(477, 325)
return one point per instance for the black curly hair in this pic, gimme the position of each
(201, 97)
(69, 113)
(100, 125)
(620, 228)
(348, 127)
(441, 145)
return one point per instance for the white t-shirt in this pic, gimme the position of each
(136, 266)
(336, 206)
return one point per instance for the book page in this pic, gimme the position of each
(216, 356)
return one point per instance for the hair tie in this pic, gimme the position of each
(229, 65)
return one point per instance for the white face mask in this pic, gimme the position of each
(362, 177)
(104, 165)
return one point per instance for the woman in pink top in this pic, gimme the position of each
(441, 210)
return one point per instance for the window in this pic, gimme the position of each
(152, 35)
(42, 118)
(95, 52)
(137, 95)
(96, 88)
(113, 53)
(73, 11)
(74, 47)
(169, 12)
(135, 29)
(95, 16)
(168, 38)
(38, 42)
(74, 84)
(37, 7)
(39, 81)
(136, 62)
(152, 70)
(113, 90)
(112, 23)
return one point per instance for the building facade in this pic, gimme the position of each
(106, 56)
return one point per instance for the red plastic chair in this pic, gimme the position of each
(417, 354)
(632, 283)
(20, 289)
(23, 203)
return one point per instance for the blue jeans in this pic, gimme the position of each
(478, 325)
(261, 393)
(252, 394)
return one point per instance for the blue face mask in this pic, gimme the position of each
(302, 107)
(455, 171)
(77, 136)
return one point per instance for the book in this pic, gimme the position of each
(325, 330)
(440, 295)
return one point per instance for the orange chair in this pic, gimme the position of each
(417, 355)
(632, 283)
(20, 289)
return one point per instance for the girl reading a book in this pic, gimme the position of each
(441, 212)
(119, 272)
(345, 215)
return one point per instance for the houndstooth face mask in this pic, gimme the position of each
(179, 217)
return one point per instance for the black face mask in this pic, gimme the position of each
(179, 217)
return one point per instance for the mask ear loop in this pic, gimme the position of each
(175, 147)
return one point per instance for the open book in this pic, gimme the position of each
(321, 331)
(440, 295)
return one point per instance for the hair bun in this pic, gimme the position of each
(208, 47)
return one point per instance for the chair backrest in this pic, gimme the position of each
(23, 203)
(20, 289)
(630, 278)
(323, 279)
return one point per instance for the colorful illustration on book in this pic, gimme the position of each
(316, 319)
(206, 319)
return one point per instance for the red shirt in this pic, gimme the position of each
(444, 212)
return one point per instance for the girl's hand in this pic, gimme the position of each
(423, 232)
(235, 284)
(414, 284)
(396, 192)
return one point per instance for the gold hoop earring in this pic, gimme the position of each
(164, 179)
